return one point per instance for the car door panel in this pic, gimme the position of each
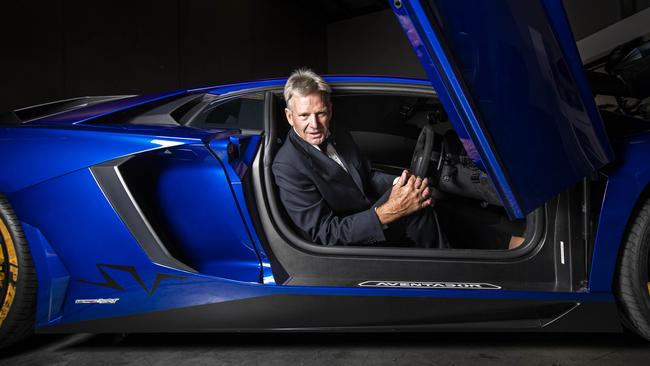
(511, 81)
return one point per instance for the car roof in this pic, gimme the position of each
(86, 113)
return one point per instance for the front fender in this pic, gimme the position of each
(625, 186)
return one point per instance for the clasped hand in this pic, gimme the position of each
(408, 195)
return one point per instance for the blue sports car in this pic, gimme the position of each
(159, 213)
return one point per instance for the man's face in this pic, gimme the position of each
(310, 117)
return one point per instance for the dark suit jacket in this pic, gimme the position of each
(326, 203)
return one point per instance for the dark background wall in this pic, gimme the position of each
(589, 16)
(64, 48)
(370, 44)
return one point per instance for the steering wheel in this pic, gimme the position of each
(422, 153)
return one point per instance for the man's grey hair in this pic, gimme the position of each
(303, 82)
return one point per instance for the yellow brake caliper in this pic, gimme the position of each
(2, 266)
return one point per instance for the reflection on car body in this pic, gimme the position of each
(179, 185)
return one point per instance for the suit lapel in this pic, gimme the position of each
(351, 161)
(332, 166)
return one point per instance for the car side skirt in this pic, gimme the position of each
(312, 312)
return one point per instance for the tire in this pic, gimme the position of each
(17, 280)
(632, 285)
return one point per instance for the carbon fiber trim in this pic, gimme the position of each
(115, 190)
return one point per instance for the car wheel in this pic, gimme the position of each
(633, 276)
(17, 280)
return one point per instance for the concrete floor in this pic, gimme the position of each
(332, 349)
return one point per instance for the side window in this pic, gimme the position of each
(244, 112)
(384, 127)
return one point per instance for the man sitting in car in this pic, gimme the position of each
(328, 188)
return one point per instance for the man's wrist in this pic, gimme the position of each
(383, 226)
(382, 215)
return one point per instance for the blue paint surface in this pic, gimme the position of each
(78, 239)
(509, 76)
(200, 212)
(626, 184)
(53, 278)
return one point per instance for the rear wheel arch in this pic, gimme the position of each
(18, 283)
